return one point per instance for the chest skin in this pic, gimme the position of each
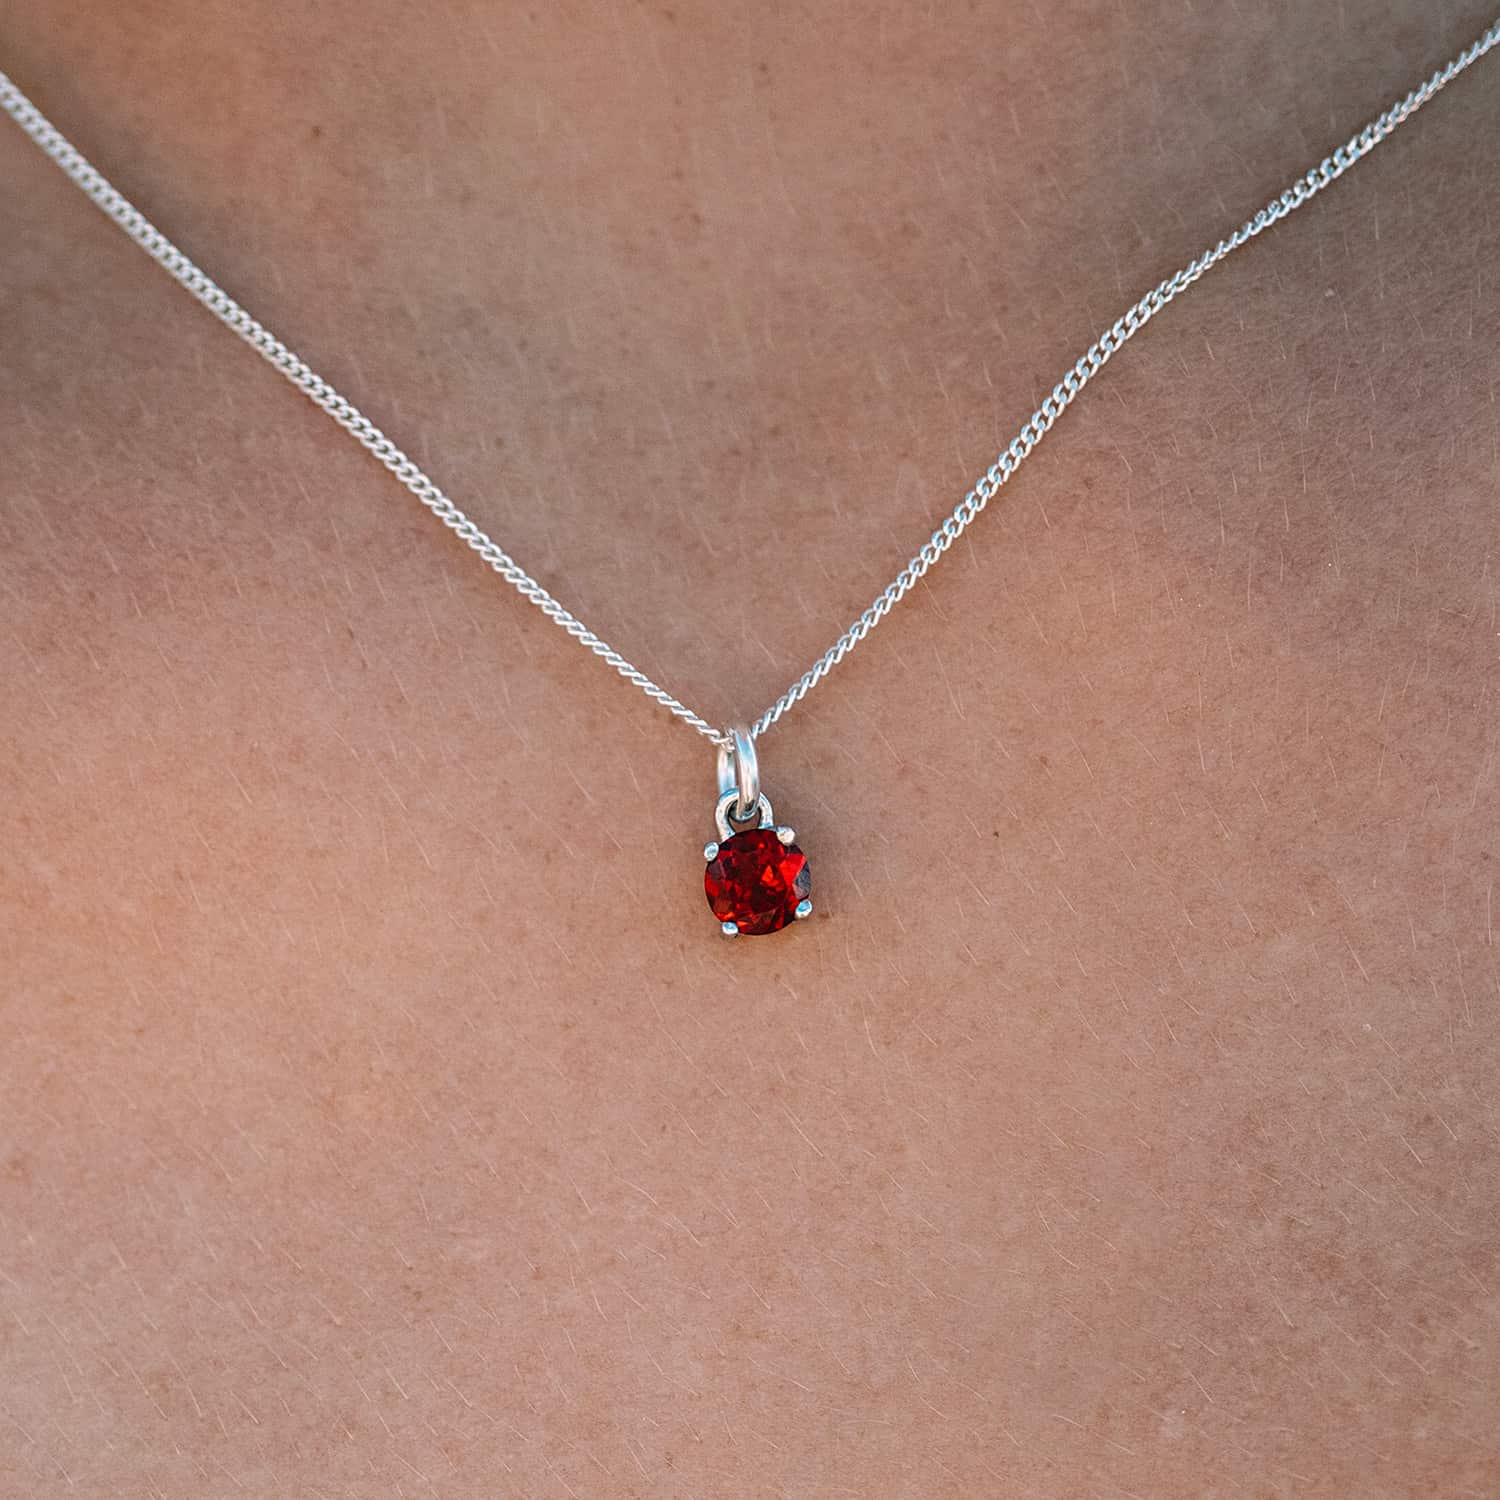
(384, 1113)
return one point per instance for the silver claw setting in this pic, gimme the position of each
(730, 929)
(804, 910)
(786, 835)
(710, 852)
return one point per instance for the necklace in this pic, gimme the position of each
(756, 878)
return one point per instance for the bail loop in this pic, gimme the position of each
(739, 772)
(724, 811)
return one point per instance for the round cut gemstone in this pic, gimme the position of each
(756, 881)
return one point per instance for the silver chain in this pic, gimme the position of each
(135, 224)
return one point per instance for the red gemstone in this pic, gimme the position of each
(756, 881)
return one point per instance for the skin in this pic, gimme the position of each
(383, 1115)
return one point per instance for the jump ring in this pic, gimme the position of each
(739, 770)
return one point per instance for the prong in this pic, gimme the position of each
(786, 835)
(804, 910)
(710, 852)
(730, 929)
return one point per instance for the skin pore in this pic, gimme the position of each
(383, 1114)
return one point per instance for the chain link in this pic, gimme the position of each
(167, 255)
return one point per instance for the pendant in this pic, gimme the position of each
(757, 880)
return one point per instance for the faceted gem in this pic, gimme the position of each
(756, 881)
